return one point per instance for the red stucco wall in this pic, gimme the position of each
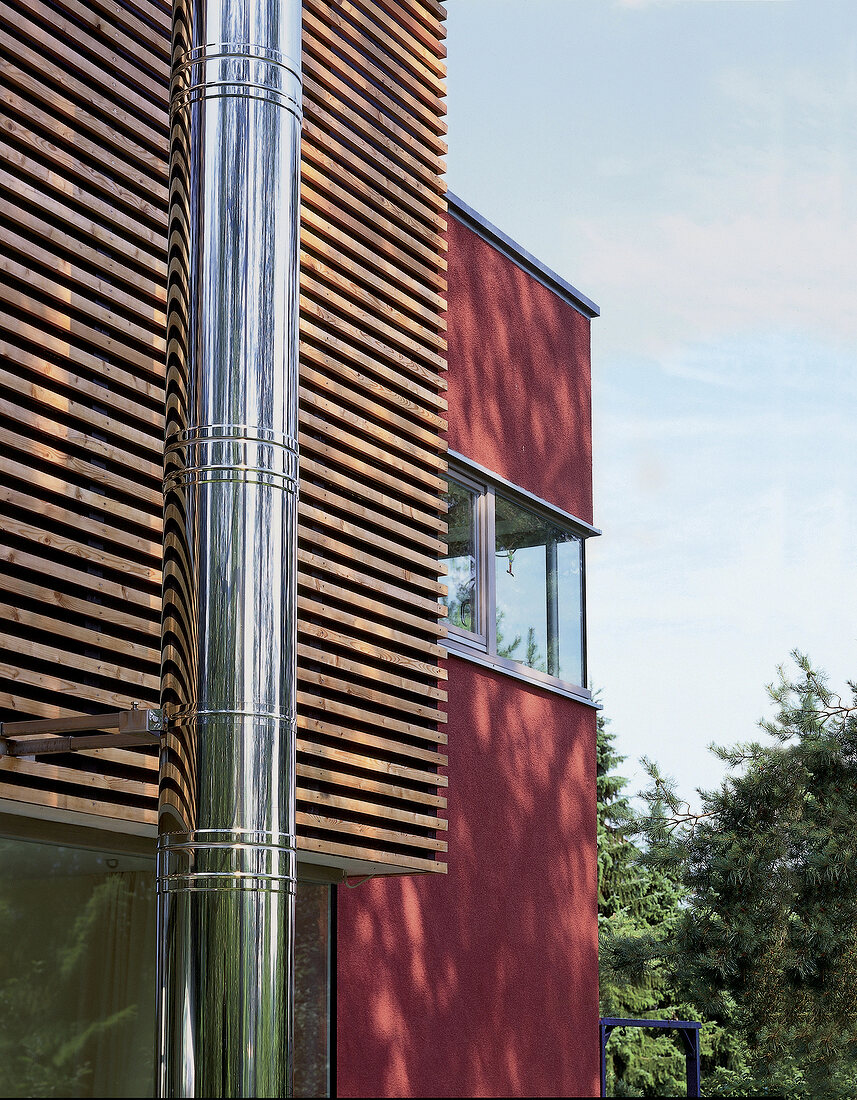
(519, 378)
(484, 982)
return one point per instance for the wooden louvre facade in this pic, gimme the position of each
(83, 201)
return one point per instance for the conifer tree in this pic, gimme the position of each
(633, 900)
(766, 941)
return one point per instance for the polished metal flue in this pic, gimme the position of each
(226, 846)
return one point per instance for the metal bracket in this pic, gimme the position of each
(135, 729)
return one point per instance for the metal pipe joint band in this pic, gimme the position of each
(242, 70)
(251, 455)
(237, 859)
(183, 715)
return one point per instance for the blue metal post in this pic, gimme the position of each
(605, 1034)
(691, 1036)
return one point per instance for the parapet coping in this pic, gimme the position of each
(519, 256)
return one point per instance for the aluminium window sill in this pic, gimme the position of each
(520, 672)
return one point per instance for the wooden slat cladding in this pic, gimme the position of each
(83, 195)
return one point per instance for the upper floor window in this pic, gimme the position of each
(515, 579)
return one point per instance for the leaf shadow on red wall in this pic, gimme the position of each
(484, 981)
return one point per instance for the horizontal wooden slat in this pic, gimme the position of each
(59, 401)
(128, 227)
(74, 136)
(116, 96)
(322, 681)
(356, 760)
(59, 800)
(330, 800)
(87, 636)
(143, 607)
(310, 468)
(343, 357)
(321, 171)
(132, 207)
(385, 66)
(82, 305)
(350, 218)
(374, 607)
(77, 286)
(379, 587)
(112, 520)
(127, 336)
(20, 675)
(370, 832)
(137, 43)
(374, 253)
(359, 623)
(365, 286)
(77, 662)
(68, 349)
(318, 728)
(47, 770)
(379, 721)
(68, 544)
(90, 229)
(62, 435)
(368, 521)
(148, 293)
(71, 98)
(404, 864)
(148, 501)
(401, 41)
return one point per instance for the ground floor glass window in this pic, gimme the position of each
(77, 974)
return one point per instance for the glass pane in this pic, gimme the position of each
(77, 977)
(537, 570)
(312, 990)
(462, 579)
(77, 974)
(570, 585)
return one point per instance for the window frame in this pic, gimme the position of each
(481, 646)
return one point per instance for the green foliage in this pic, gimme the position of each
(634, 901)
(66, 1030)
(765, 942)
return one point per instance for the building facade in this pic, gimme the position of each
(446, 907)
(485, 982)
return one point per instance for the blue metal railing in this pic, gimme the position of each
(688, 1029)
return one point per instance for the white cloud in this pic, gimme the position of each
(782, 255)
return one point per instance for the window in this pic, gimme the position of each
(515, 579)
(78, 977)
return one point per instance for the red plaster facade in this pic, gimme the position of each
(519, 375)
(484, 982)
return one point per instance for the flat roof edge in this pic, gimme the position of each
(518, 255)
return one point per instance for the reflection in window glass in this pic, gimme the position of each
(570, 609)
(461, 578)
(77, 980)
(77, 974)
(312, 990)
(538, 593)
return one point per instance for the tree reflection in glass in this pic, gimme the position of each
(462, 578)
(538, 583)
(77, 974)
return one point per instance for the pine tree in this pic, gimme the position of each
(632, 901)
(766, 942)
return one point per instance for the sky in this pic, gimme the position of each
(691, 166)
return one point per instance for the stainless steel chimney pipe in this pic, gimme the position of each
(226, 844)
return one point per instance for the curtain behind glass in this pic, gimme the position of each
(77, 983)
(77, 975)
